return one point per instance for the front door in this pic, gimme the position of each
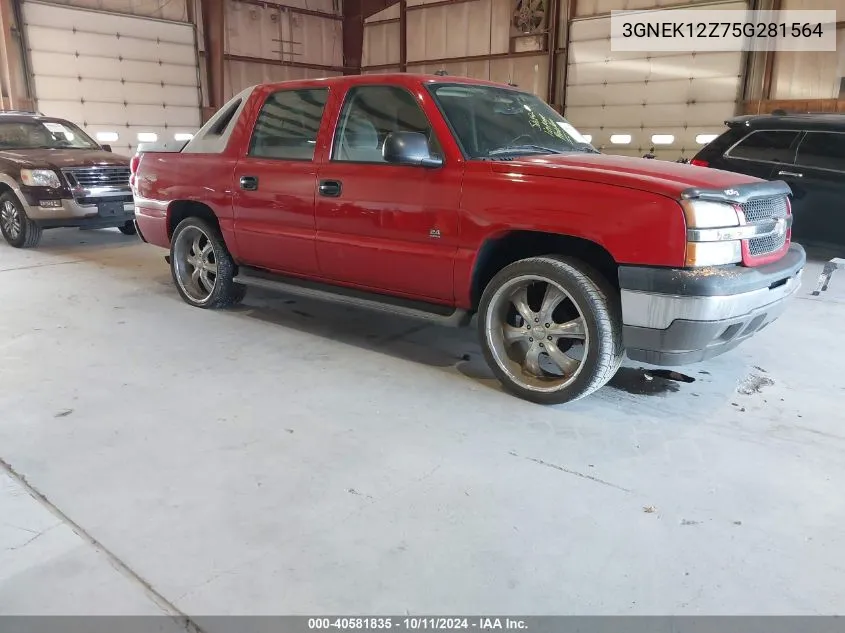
(381, 226)
(818, 185)
(275, 184)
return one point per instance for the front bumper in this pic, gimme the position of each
(84, 213)
(680, 316)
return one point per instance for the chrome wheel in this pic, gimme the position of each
(10, 220)
(536, 333)
(195, 263)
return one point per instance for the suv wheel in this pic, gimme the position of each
(128, 228)
(202, 267)
(551, 329)
(18, 230)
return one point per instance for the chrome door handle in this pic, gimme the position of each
(793, 174)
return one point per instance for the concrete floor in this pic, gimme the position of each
(300, 458)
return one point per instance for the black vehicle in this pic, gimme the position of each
(807, 151)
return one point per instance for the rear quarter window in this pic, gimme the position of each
(721, 143)
(768, 146)
(822, 150)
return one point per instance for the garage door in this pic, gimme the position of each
(628, 102)
(123, 79)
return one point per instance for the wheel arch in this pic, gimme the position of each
(179, 210)
(503, 249)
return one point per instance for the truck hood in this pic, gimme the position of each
(61, 158)
(669, 179)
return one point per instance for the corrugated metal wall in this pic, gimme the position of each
(811, 75)
(470, 38)
(166, 10)
(296, 45)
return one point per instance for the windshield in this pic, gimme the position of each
(494, 122)
(43, 135)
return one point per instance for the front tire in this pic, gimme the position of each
(128, 228)
(17, 229)
(202, 268)
(535, 313)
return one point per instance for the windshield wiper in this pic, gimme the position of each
(586, 148)
(523, 148)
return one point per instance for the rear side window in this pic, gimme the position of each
(768, 146)
(824, 150)
(225, 120)
(288, 124)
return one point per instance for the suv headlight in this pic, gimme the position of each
(40, 178)
(714, 233)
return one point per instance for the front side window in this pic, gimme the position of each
(369, 114)
(288, 124)
(767, 146)
(824, 150)
(490, 121)
(43, 135)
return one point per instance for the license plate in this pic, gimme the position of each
(110, 209)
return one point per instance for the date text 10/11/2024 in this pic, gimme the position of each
(416, 624)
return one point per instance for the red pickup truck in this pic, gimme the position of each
(441, 197)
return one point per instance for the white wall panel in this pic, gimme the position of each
(165, 10)
(240, 75)
(326, 6)
(390, 13)
(270, 32)
(381, 44)
(481, 27)
(254, 31)
(529, 73)
(113, 73)
(599, 7)
(644, 94)
(382, 71)
(810, 75)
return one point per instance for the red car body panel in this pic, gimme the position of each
(378, 234)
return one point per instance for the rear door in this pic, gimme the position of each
(275, 184)
(818, 185)
(762, 154)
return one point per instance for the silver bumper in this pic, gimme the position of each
(70, 210)
(676, 317)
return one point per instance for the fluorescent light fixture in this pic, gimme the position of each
(704, 139)
(588, 137)
(147, 137)
(183, 136)
(620, 139)
(107, 137)
(663, 139)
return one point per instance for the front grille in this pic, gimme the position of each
(96, 177)
(762, 209)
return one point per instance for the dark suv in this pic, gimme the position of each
(807, 151)
(54, 175)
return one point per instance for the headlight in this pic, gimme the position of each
(40, 178)
(714, 233)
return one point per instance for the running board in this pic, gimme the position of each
(433, 313)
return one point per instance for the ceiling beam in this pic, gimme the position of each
(354, 14)
(13, 71)
(214, 34)
(553, 29)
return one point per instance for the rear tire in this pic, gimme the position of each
(202, 268)
(128, 228)
(17, 229)
(534, 312)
